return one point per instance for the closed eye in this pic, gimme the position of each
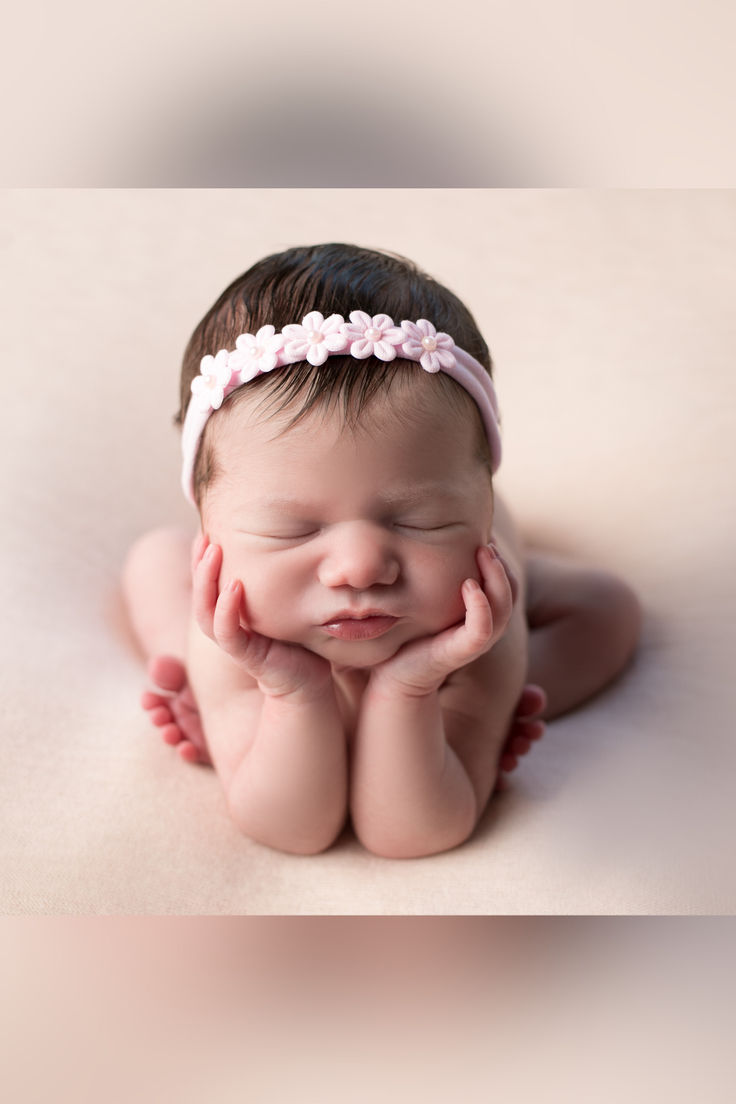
(425, 526)
(284, 537)
(301, 535)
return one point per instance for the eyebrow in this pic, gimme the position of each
(391, 497)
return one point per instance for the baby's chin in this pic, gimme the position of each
(365, 654)
(362, 655)
(357, 655)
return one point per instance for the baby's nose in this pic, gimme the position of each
(360, 555)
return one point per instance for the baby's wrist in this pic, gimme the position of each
(308, 694)
(383, 684)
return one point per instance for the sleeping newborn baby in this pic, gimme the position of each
(357, 631)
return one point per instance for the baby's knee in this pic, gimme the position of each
(158, 548)
(618, 611)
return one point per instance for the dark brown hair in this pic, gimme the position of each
(333, 279)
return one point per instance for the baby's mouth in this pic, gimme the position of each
(354, 626)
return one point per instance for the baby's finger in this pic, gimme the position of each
(497, 588)
(199, 547)
(513, 581)
(478, 627)
(226, 621)
(205, 591)
(229, 633)
(461, 645)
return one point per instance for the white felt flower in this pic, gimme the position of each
(315, 338)
(377, 336)
(209, 387)
(256, 353)
(433, 350)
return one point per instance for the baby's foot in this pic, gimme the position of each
(526, 727)
(174, 709)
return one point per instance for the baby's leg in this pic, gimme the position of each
(157, 586)
(583, 629)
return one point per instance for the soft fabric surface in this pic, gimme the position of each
(611, 320)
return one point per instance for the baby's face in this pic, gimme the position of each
(321, 523)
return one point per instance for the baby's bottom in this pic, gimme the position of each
(583, 629)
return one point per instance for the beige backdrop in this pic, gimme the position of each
(611, 319)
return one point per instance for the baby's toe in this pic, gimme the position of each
(509, 761)
(535, 730)
(171, 734)
(519, 745)
(151, 700)
(161, 716)
(532, 701)
(189, 752)
(167, 672)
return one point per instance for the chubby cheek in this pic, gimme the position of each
(445, 606)
(440, 586)
(266, 599)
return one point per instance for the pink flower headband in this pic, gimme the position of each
(315, 340)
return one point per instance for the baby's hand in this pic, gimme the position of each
(421, 666)
(280, 669)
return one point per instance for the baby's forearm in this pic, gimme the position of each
(290, 790)
(410, 794)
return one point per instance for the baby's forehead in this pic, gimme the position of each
(416, 437)
(322, 467)
(414, 398)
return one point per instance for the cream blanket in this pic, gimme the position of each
(611, 319)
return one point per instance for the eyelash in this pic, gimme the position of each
(292, 536)
(303, 536)
(426, 528)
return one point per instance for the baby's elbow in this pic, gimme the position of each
(314, 845)
(291, 838)
(413, 843)
(412, 849)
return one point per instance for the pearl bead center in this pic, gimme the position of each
(315, 337)
(373, 334)
(429, 343)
